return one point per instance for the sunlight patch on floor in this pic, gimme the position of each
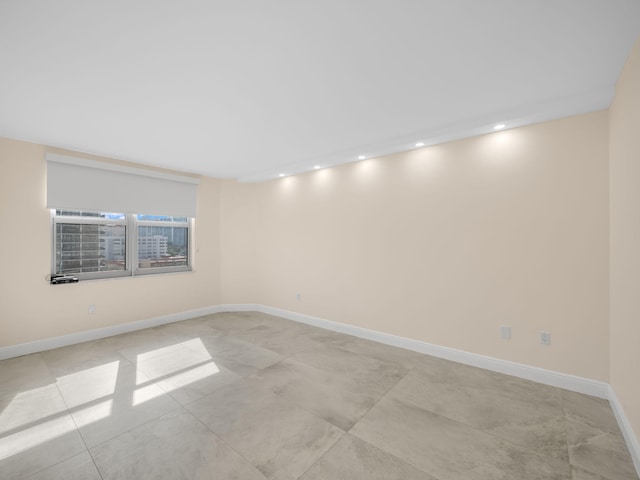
(36, 435)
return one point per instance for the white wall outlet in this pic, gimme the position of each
(298, 296)
(545, 338)
(92, 309)
(505, 332)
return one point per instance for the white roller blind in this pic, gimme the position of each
(89, 185)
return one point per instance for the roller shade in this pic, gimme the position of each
(74, 183)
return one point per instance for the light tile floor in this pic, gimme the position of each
(251, 396)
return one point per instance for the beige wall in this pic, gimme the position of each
(442, 244)
(624, 171)
(238, 263)
(31, 309)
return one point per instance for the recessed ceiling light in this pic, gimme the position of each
(316, 167)
(420, 144)
(281, 175)
(500, 126)
(361, 157)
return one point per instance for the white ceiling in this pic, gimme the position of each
(249, 89)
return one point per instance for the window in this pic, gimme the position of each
(152, 232)
(163, 242)
(102, 244)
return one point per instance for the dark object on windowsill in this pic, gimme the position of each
(56, 279)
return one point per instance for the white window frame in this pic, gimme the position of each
(151, 223)
(131, 224)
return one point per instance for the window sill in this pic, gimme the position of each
(138, 274)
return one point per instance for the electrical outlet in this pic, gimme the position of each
(298, 296)
(505, 332)
(92, 309)
(545, 338)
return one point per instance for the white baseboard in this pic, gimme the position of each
(548, 377)
(88, 335)
(540, 375)
(627, 431)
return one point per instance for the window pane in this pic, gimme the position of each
(84, 213)
(162, 246)
(82, 248)
(161, 218)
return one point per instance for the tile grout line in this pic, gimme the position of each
(383, 396)
(410, 404)
(603, 433)
(323, 455)
(347, 432)
(459, 423)
(88, 449)
(139, 425)
(93, 460)
(566, 431)
(380, 447)
(511, 442)
(181, 409)
(245, 379)
(221, 439)
(209, 429)
(68, 412)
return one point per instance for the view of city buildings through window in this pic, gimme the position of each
(87, 242)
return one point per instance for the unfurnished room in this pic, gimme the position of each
(359, 240)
